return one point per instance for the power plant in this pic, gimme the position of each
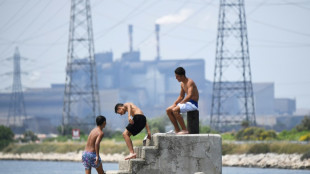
(95, 82)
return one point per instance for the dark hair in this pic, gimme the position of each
(118, 105)
(180, 71)
(100, 120)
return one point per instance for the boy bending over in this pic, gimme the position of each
(137, 121)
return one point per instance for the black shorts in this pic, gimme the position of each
(139, 124)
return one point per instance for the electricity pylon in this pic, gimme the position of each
(232, 98)
(17, 110)
(81, 97)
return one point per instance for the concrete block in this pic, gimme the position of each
(183, 154)
(178, 154)
(118, 172)
(136, 165)
(149, 151)
(123, 165)
(138, 151)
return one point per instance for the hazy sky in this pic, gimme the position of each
(278, 32)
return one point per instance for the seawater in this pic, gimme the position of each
(47, 167)
(60, 167)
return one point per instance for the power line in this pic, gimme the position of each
(29, 24)
(281, 28)
(12, 18)
(47, 21)
(119, 22)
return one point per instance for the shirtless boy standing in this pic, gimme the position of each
(183, 104)
(90, 157)
(137, 121)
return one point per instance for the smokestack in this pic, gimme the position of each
(157, 41)
(130, 37)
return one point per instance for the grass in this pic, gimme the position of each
(228, 136)
(118, 145)
(292, 135)
(107, 145)
(274, 147)
(111, 146)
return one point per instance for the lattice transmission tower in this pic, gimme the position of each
(81, 97)
(232, 98)
(17, 110)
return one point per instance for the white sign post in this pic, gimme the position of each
(75, 134)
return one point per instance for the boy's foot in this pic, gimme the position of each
(182, 132)
(131, 156)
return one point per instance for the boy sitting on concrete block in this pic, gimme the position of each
(183, 104)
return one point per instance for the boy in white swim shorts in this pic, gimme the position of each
(183, 103)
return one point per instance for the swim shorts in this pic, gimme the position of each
(89, 159)
(191, 105)
(139, 124)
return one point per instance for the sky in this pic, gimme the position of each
(278, 37)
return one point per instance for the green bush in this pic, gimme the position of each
(29, 136)
(259, 148)
(256, 133)
(305, 137)
(292, 135)
(6, 136)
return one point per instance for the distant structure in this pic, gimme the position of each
(232, 98)
(157, 28)
(130, 37)
(81, 97)
(17, 110)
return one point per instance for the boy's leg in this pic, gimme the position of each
(177, 114)
(100, 169)
(172, 118)
(87, 171)
(126, 135)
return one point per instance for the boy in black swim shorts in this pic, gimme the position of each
(137, 122)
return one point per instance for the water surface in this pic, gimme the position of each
(60, 167)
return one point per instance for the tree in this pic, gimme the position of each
(158, 124)
(304, 125)
(29, 136)
(245, 124)
(6, 136)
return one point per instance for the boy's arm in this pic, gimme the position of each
(181, 96)
(148, 131)
(97, 146)
(189, 94)
(128, 105)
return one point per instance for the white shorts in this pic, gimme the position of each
(188, 106)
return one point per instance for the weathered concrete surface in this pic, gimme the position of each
(177, 154)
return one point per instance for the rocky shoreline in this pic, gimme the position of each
(269, 160)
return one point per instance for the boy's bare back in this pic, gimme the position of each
(94, 137)
(134, 110)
